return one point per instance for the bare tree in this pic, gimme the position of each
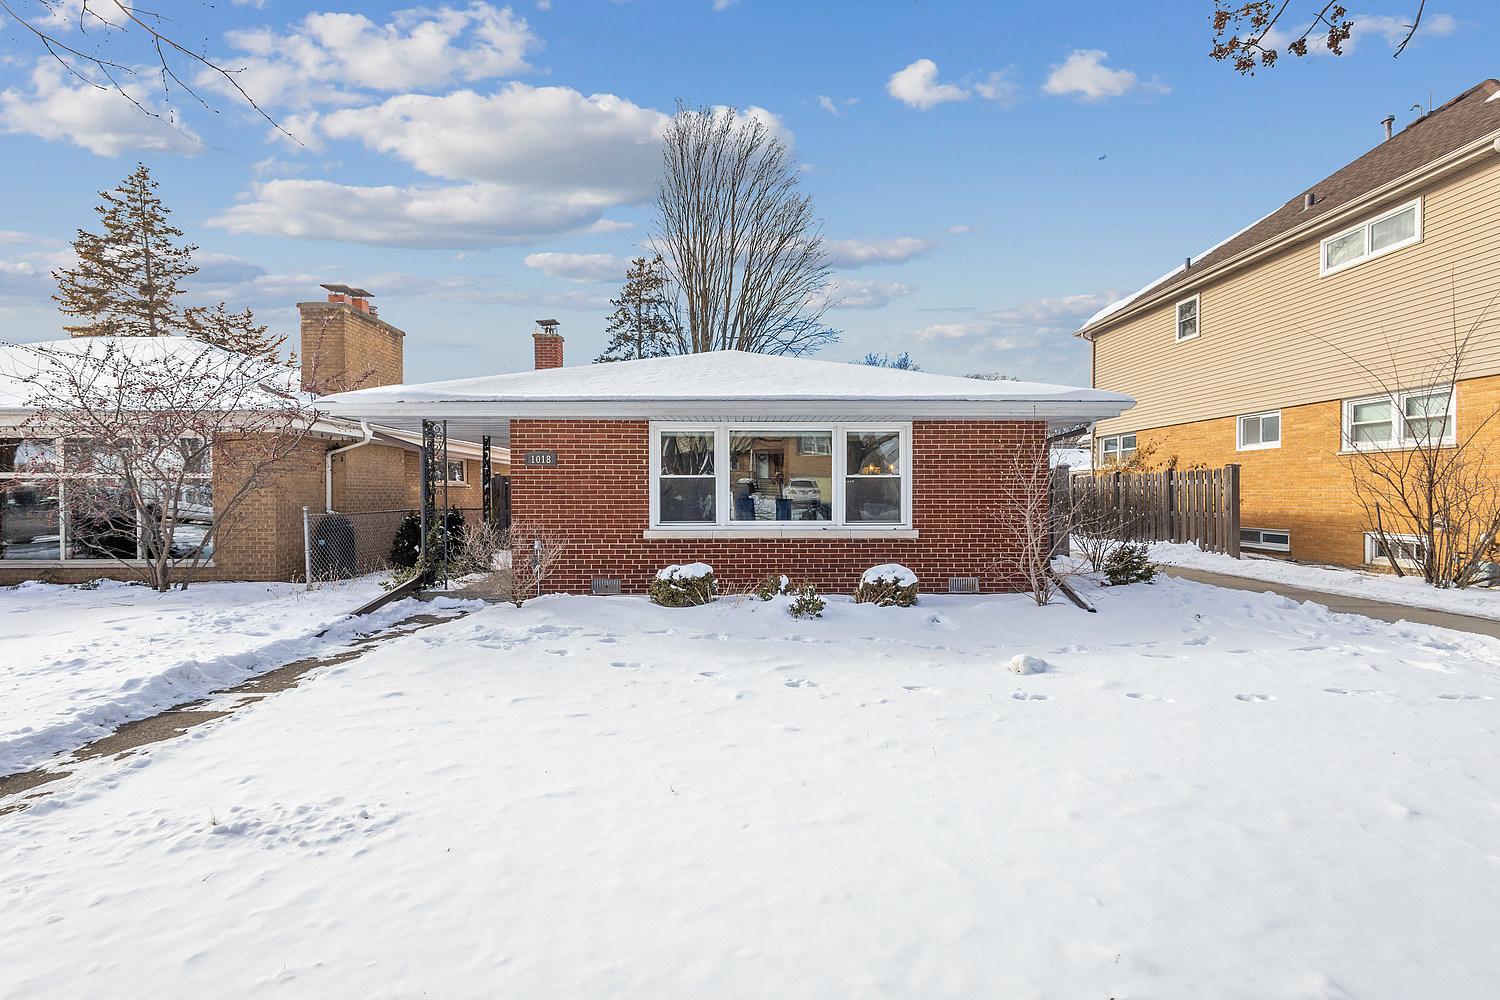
(1031, 513)
(1426, 486)
(154, 448)
(1245, 34)
(740, 243)
(109, 30)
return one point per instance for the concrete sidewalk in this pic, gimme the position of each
(1343, 605)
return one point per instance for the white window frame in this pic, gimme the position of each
(1268, 546)
(723, 505)
(1368, 226)
(1372, 542)
(1120, 455)
(1197, 318)
(463, 472)
(1239, 431)
(1399, 439)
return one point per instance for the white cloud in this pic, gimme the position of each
(97, 119)
(1034, 323)
(831, 106)
(1392, 29)
(580, 266)
(917, 86)
(1085, 74)
(999, 87)
(11, 237)
(849, 254)
(455, 216)
(327, 55)
(601, 148)
(960, 229)
(851, 294)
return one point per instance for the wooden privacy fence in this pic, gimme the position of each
(1201, 506)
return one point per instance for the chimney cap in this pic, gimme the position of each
(346, 290)
(548, 323)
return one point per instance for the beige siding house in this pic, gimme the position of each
(1321, 325)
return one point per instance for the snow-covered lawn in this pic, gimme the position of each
(75, 663)
(1209, 794)
(1408, 591)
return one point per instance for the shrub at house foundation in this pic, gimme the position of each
(684, 586)
(406, 546)
(887, 585)
(806, 602)
(771, 586)
(1128, 564)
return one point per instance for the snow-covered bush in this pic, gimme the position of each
(1128, 564)
(1023, 663)
(887, 584)
(806, 603)
(776, 583)
(684, 586)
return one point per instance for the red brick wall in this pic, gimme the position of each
(547, 350)
(598, 499)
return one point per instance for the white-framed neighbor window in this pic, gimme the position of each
(1410, 418)
(1274, 539)
(1116, 448)
(1392, 230)
(1187, 319)
(457, 470)
(1409, 550)
(1258, 430)
(799, 476)
(51, 514)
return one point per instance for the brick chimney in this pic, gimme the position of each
(346, 345)
(548, 344)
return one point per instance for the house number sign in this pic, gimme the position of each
(541, 459)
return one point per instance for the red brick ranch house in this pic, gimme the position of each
(755, 464)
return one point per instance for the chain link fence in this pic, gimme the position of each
(347, 544)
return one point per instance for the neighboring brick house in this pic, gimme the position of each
(341, 464)
(1320, 329)
(757, 464)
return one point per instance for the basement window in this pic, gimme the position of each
(1266, 538)
(1408, 550)
(1400, 227)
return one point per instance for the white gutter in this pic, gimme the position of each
(328, 462)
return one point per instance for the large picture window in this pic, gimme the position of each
(59, 502)
(800, 477)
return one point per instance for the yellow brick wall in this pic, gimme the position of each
(345, 348)
(1305, 486)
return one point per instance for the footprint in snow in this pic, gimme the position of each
(915, 688)
(1202, 640)
(798, 682)
(1253, 697)
(1023, 696)
(1138, 696)
(623, 665)
(1353, 691)
(1465, 697)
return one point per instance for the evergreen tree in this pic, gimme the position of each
(233, 331)
(127, 279)
(641, 325)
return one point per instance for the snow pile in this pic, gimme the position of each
(686, 571)
(1212, 793)
(1408, 591)
(78, 663)
(1023, 663)
(889, 573)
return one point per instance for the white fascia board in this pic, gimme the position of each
(777, 410)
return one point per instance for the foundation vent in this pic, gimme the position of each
(604, 588)
(963, 584)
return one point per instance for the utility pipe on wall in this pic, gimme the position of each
(328, 463)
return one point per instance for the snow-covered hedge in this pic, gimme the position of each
(684, 586)
(886, 585)
(772, 586)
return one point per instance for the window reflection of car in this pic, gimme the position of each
(803, 492)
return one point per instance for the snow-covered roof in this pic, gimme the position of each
(19, 362)
(722, 385)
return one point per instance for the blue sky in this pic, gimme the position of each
(989, 174)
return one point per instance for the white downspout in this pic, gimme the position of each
(328, 463)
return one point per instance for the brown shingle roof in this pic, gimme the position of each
(1469, 116)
